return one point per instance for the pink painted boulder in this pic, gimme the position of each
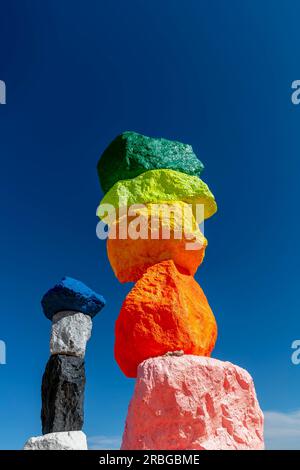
(193, 402)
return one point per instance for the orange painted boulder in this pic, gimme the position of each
(166, 311)
(155, 233)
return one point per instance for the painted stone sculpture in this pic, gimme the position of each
(166, 330)
(70, 305)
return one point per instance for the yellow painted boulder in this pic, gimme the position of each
(155, 186)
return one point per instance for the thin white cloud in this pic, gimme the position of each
(104, 442)
(282, 430)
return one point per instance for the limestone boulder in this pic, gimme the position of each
(72, 440)
(63, 394)
(153, 234)
(70, 333)
(195, 403)
(131, 154)
(71, 294)
(165, 311)
(156, 186)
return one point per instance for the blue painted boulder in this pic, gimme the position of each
(71, 294)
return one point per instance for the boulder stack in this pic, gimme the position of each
(70, 305)
(153, 202)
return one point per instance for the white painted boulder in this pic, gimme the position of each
(72, 440)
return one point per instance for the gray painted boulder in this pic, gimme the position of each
(70, 333)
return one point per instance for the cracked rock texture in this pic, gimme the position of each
(192, 402)
(165, 311)
(73, 440)
(63, 394)
(131, 154)
(158, 186)
(70, 333)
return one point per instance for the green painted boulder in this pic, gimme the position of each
(158, 186)
(131, 154)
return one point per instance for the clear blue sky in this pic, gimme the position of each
(215, 74)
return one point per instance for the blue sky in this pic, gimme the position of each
(214, 74)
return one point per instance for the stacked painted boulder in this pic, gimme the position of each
(166, 325)
(70, 305)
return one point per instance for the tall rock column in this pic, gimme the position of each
(70, 305)
(154, 202)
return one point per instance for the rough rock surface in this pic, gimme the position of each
(193, 402)
(158, 186)
(131, 154)
(70, 333)
(71, 294)
(73, 440)
(171, 232)
(165, 311)
(63, 394)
